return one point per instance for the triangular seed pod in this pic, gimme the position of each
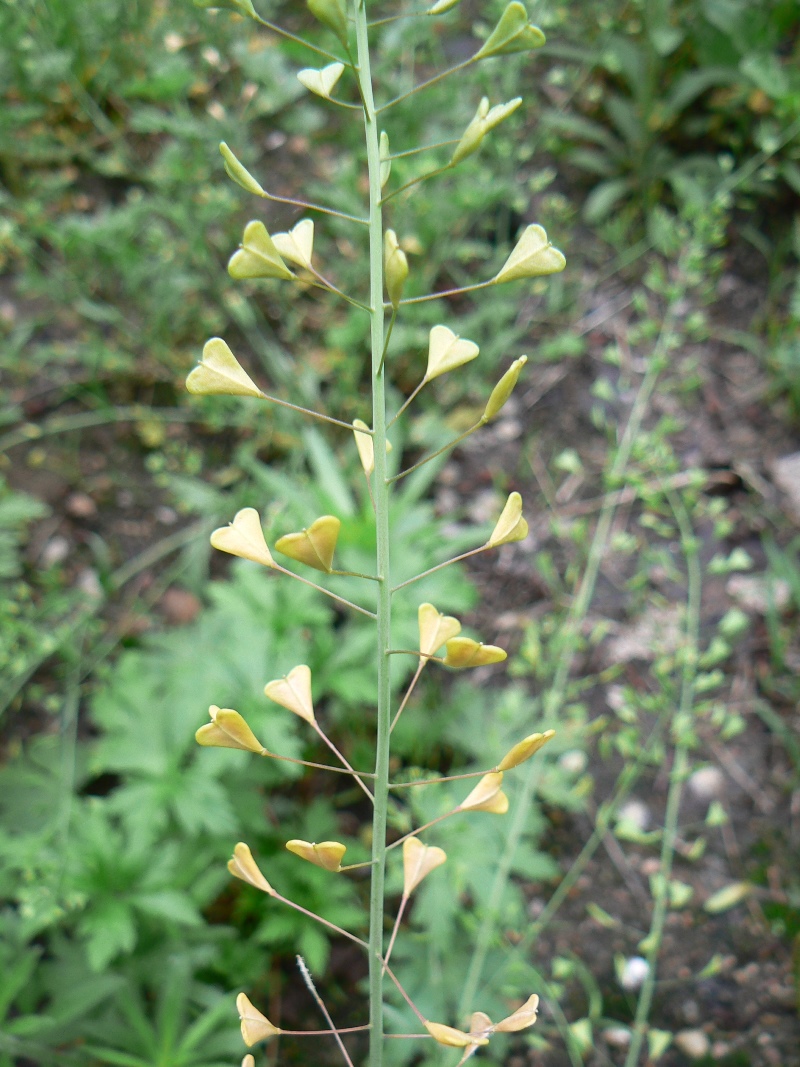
(257, 257)
(487, 796)
(255, 1026)
(219, 373)
(244, 537)
(521, 1019)
(322, 82)
(365, 446)
(480, 1025)
(511, 526)
(418, 861)
(228, 729)
(446, 351)
(237, 171)
(532, 257)
(523, 750)
(395, 267)
(242, 865)
(386, 163)
(298, 244)
(327, 854)
(332, 14)
(513, 33)
(503, 390)
(483, 122)
(248, 1061)
(294, 692)
(313, 546)
(473, 135)
(464, 652)
(435, 629)
(366, 449)
(448, 1035)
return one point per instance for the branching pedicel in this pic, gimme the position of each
(287, 257)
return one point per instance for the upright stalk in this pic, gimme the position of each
(381, 499)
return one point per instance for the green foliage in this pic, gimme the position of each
(682, 92)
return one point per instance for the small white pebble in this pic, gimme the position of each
(635, 813)
(694, 1043)
(88, 581)
(573, 762)
(55, 551)
(166, 516)
(617, 1036)
(707, 783)
(634, 973)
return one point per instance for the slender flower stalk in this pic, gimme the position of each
(276, 258)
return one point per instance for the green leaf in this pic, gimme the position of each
(110, 929)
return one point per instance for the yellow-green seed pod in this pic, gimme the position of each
(238, 172)
(395, 267)
(244, 538)
(523, 750)
(521, 1019)
(293, 692)
(418, 862)
(314, 546)
(532, 257)
(332, 14)
(219, 373)
(511, 526)
(255, 1026)
(323, 81)
(483, 122)
(452, 1038)
(487, 796)
(441, 6)
(386, 163)
(513, 33)
(326, 854)
(503, 390)
(242, 865)
(228, 729)
(435, 629)
(463, 652)
(446, 351)
(257, 257)
(298, 244)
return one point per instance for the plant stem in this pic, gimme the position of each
(555, 696)
(381, 498)
(301, 963)
(439, 451)
(438, 567)
(680, 766)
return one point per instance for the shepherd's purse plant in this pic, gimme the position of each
(344, 79)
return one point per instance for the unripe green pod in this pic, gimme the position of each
(395, 267)
(333, 14)
(513, 33)
(503, 390)
(483, 122)
(238, 172)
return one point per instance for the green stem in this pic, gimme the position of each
(426, 84)
(439, 451)
(555, 696)
(415, 181)
(381, 498)
(438, 567)
(680, 767)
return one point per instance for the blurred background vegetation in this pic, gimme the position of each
(659, 144)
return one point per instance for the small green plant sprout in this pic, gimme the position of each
(346, 47)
